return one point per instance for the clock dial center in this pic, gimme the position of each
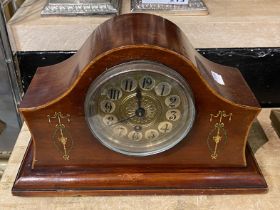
(140, 112)
(147, 113)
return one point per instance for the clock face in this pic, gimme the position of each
(139, 108)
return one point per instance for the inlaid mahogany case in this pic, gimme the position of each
(205, 161)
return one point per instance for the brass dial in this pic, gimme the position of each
(140, 108)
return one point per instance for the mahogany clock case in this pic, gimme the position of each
(56, 98)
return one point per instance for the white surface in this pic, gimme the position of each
(230, 24)
(218, 78)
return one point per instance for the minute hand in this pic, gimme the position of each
(123, 120)
(139, 97)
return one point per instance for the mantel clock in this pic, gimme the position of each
(138, 111)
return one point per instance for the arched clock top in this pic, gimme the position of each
(136, 34)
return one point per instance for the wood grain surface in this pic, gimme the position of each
(63, 88)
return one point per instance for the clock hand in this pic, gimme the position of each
(123, 120)
(139, 97)
(139, 112)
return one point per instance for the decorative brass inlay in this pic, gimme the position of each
(218, 134)
(61, 135)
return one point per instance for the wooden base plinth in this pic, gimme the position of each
(138, 181)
